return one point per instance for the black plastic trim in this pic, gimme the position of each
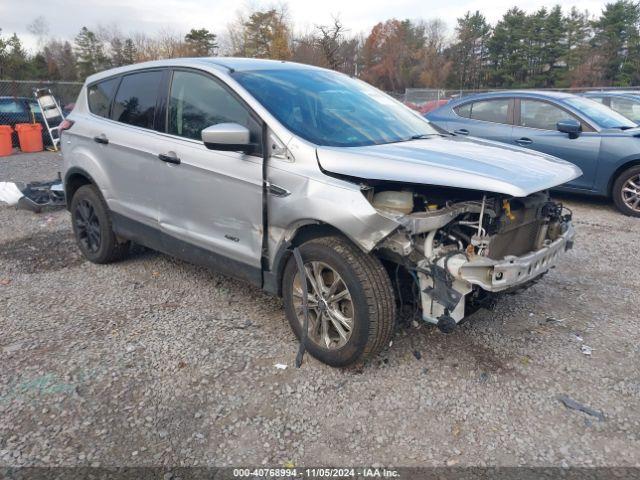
(158, 240)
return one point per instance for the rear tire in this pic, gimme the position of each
(368, 306)
(626, 192)
(92, 227)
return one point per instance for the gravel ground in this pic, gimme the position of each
(153, 361)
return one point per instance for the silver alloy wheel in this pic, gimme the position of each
(331, 314)
(631, 193)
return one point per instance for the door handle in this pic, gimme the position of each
(102, 138)
(524, 141)
(169, 157)
(462, 131)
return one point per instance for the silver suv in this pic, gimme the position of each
(235, 163)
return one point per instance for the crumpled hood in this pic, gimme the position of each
(452, 162)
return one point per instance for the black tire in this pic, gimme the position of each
(92, 227)
(617, 191)
(372, 298)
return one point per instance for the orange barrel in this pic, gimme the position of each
(5, 140)
(30, 136)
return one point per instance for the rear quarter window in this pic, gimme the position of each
(100, 96)
(464, 110)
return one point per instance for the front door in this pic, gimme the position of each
(536, 129)
(210, 199)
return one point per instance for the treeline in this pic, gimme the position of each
(545, 48)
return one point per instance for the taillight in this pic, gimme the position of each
(65, 125)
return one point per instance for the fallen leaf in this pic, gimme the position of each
(5, 281)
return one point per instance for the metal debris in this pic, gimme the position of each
(573, 405)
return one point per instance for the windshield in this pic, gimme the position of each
(331, 109)
(600, 114)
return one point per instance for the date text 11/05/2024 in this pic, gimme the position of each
(316, 472)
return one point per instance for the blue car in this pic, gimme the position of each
(626, 103)
(603, 143)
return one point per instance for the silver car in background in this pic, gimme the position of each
(233, 163)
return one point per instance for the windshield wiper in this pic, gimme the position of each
(424, 135)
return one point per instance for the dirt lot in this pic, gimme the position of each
(153, 361)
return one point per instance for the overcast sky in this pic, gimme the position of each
(65, 17)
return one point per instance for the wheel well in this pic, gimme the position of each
(73, 183)
(302, 235)
(622, 168)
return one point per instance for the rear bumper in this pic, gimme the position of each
(512, 271)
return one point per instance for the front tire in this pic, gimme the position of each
(626, 192)
(351, 302)
(92, 227)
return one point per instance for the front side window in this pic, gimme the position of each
(198, 101)
(100, 95)
(541, 115)
(330, 109)
(135, 101)
(496, 111)
(628, 107)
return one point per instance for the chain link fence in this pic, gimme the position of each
(18, 103)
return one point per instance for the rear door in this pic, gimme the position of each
(491, 119)
(128, 146)
(211, 199)
(536, 129)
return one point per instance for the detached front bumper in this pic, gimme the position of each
(511, 271)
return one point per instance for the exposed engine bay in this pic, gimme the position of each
(457, 248)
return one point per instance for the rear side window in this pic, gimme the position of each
(100, 96)
(496, 111)
(198, 101)
(135, 101)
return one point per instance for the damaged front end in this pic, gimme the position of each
(460, 247)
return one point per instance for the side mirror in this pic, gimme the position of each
(570, 126)
(230, 137)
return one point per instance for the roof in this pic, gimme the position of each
(525, 93)
(613, 93)
(217, 63)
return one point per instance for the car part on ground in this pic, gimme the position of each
(34, 196)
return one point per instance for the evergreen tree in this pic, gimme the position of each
(469, 51)
(266, 35)
(90, 54)
(201, 43)
(508, 52)
(577, 30)
(617, 40)
(15, 61)
(129, 52)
